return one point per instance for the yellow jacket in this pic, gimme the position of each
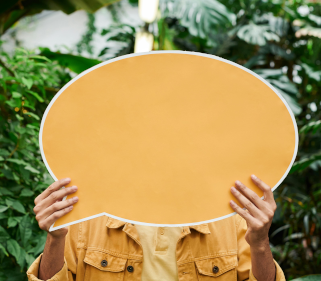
(209, 252)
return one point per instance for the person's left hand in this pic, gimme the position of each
(259, 212)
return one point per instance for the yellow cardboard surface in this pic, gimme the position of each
(160, 138)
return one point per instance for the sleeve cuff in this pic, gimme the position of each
(279, 276)
(33, 270)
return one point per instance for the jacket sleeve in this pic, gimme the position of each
(244, 270)
(69, 269)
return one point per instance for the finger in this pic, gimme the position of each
(45, 224)
(250, 194)
(254, 211)
(244, 214)
(268, 194)
(59, 205)
(54, 197)
(52, 188)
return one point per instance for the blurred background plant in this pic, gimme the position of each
(279, 40)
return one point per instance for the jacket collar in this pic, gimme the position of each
(202, 228)
(114, 223)
(128, 228)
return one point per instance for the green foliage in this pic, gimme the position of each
(257, 34)
(76, 64)
(27, 84)
(314, 277)
(200, 17)
(120, 33)
(269, 37)
(13, 10)
(85, 44)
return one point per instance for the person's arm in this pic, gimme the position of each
(49, 207)
(258, 217)
(52, 259)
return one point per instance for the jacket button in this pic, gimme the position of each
(130, 268)
(104, 263)
(215, 269)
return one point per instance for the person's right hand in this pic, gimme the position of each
(49, 206)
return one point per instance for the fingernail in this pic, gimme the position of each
(238, 183)
(75, 199)
(67, 180)
(74, 188)
(70, 208)
(254, 177)
(232, 203)
(233, 189)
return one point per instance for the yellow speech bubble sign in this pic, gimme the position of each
(159, 138)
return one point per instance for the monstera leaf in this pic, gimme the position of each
(257, 34)
(309, 26)
(201, 17)
(309, 31)
(313, 74)
(278, 25)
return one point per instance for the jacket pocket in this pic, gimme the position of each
(218, 269)
(103, 266)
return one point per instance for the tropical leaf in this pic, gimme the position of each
(27, 81)
(313, 74)
(26, 192)
(25, 230)
(16, 205)
(124, 37)
(36, 95)
(32, 170)
(313, 126)
(315, 19)
(255, 61)
(257, 34)
(304, 163)
(17, 161)
(13, 248)
(276, 51)
(278, 25)
(3, 249)
(4, 236)
(19, 253)
(3, 208)
(284, 227)
(201, 17)
(309, 31)
(76, 64)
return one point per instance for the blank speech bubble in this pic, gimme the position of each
(159, 138)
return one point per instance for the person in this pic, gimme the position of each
(235, 248)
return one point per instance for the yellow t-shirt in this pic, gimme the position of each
(159, 250)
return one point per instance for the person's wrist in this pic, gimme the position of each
(56, 238)
(261, 246)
